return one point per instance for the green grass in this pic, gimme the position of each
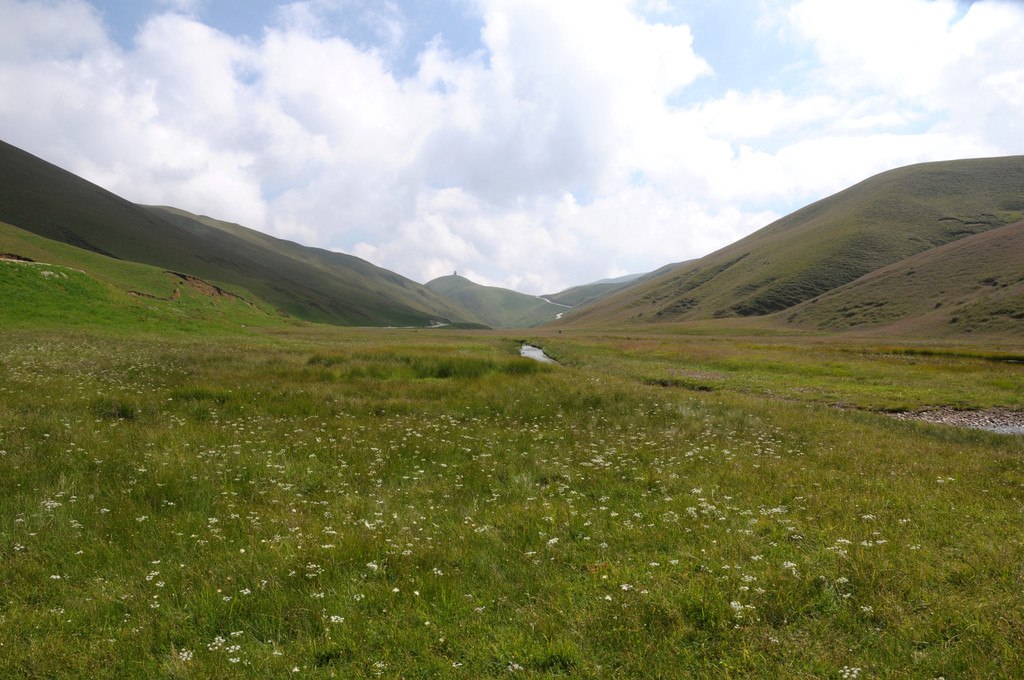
(327, 503)
(858, 373)
(43, 295)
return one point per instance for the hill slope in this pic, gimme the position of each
(309, 284)
(47, 284)
(498, 307)
(973, 285)
(834, 241)
(297, 277)
(590, 293)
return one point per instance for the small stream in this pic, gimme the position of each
(531, 352)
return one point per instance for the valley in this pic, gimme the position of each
(227, 455)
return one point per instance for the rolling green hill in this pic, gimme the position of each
(306, 283)
(46, 283)
(498, 307)
(827, 244)
(973, 285)
(298, 278)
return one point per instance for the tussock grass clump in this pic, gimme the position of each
(423, 365)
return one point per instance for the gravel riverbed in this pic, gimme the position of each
(1001, 420)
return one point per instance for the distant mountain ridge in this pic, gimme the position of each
(591, 293)
(498, 307)
(307, 283)
(628, 278)
(504, 308)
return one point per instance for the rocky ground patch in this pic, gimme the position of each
(1001, 420)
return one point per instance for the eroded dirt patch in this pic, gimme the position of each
(204, 287)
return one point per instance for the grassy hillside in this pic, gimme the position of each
(973, 285)
(829, 243)
(48, 284)
(298, 279)
(588, 294)
(304, 283)
(580, 296)
(498, 307)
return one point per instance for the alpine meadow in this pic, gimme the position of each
(224, 455)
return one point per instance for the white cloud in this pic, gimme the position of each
(56, 30)
(926, 55)
(657, 6)
(556, 98)
(757, 115)
(897, 45)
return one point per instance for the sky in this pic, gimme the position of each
(529, 144)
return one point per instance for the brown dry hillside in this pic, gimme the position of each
(827, 244)
(974, 285)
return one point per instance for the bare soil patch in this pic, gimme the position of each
(204, 287)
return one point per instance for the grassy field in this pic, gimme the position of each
(881, 374)
(322, 502)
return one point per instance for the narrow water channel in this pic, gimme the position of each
(531, 352)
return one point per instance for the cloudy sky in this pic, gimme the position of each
(533, 144)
